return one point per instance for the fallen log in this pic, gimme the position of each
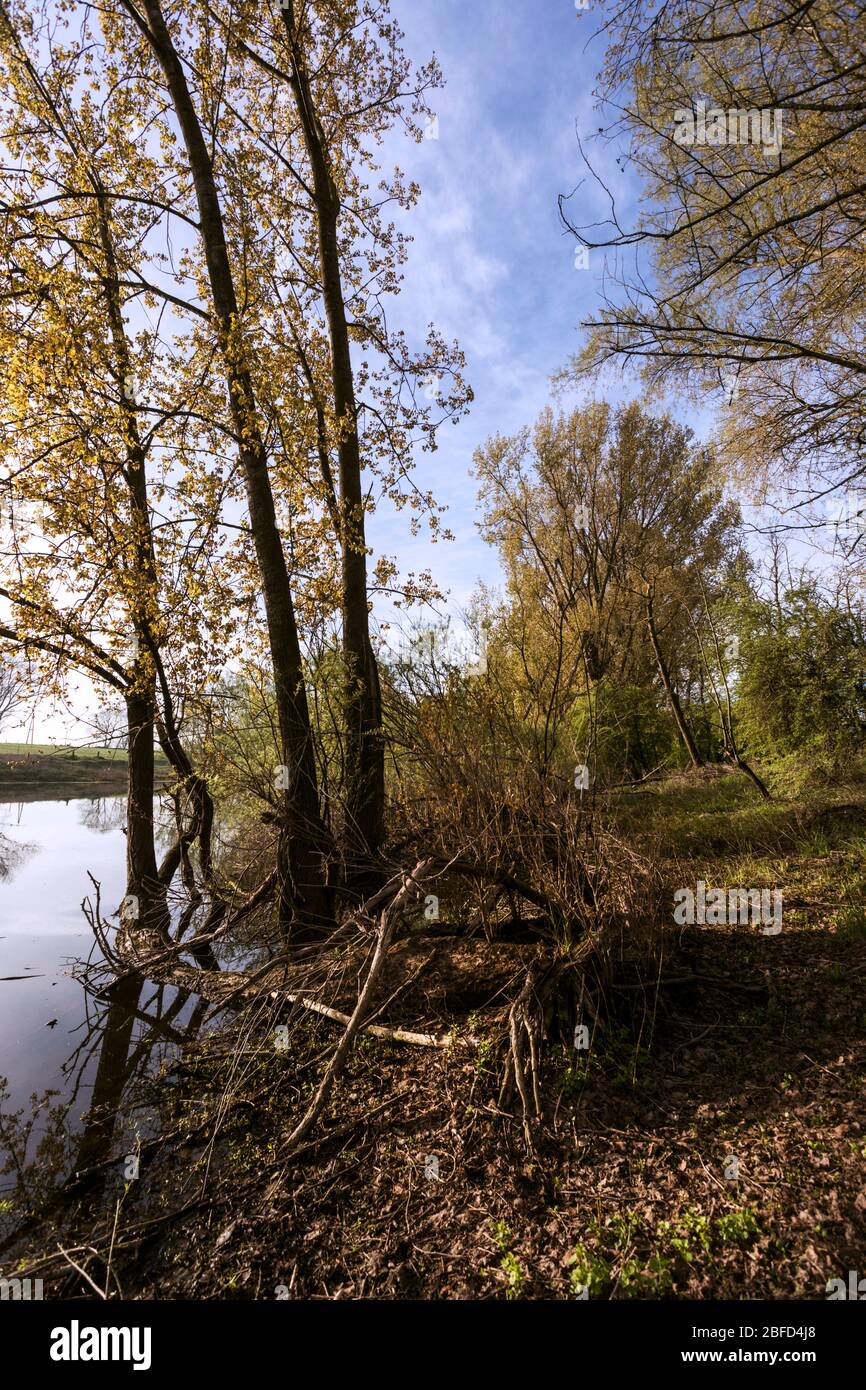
(377, 1029)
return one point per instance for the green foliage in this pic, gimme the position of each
(588, 1271)
(851, 923)
(509, 1264)
(802, 684)
(622, 1255)
(687, 1237)
(737, 1227)
(625, 729)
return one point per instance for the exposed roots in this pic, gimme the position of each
(548, 1007)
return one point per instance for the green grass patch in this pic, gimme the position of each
(60, 750)
(623, 1255)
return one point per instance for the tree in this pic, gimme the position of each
(350, 83)
(89, 576)
(109, 726)
(281, 259)
(303, 842)
(607, 521)
(802, 688)
(10, 692)
(757, 250)
(188, 381)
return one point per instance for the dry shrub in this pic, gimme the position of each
(520, 848)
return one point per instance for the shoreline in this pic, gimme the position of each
(54, 774)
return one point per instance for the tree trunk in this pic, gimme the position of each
(673, 698)
(303, 841)
(147, 907)
(740, 762)
(365, 749)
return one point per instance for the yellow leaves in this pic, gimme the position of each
(62, 375)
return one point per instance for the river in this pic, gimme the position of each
(67, 1058)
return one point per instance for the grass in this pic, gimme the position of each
(73, 753)
(724, 816)
(812, 846)
(26, 768)
(59, 750)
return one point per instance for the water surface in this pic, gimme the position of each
(75, 1054)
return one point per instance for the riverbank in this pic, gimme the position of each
(47, 771)
(709, 1144)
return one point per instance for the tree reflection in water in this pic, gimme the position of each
(13, 853)
(103, 814)
(45, 1154)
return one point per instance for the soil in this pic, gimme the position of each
(709, 1144)
(630, 1190)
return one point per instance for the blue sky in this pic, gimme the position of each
(491, 263)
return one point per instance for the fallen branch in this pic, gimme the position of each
(410, 890)
(378, 1030)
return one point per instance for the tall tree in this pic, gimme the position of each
(365, 749)
(756, 246)
(89, 587)
(350, 83)
(303, 841)
(607, 520)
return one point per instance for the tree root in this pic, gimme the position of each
(409, 891)
(529, 1022)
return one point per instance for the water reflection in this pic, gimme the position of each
(104, 814)
(70, 1059)
(12, 855)
(53, 1146)
(120, 1062)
